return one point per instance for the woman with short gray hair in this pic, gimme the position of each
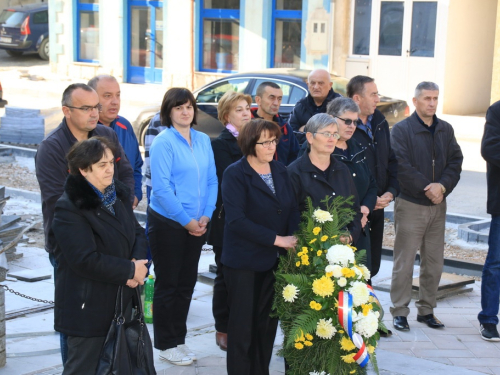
(349, 152)
(318, 174)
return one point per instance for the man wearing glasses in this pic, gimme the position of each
(372, 134)
(108, 89)
(80, 106)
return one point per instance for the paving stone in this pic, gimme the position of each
(32, 275)
(495, 370)
(414, 334)
(483, 349)
(474, 362)
(443, 353)
(447, 342)
(406, 345)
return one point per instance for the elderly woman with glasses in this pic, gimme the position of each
(349, 152)
(261, 216)
(317, 174)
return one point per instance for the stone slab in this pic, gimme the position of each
(448, 281)
(32, 275)
(8, 220)
(206, 278)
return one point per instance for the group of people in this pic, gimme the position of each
(242, 193)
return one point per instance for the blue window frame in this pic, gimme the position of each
(87, 30)
(219, 35)
(286, 33)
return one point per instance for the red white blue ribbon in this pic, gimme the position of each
(345, 320)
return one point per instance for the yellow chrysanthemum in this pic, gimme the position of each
(299, 345)
(329, 274)
(349, 358)
(324, 238)
(370, 349)
(347, 272)
(346, 344)
(323, 287)
(313, 240)
(319, 252)
(334, 236)
(309, 336)
(341, 331)
(316, 230)
(298, 263)
(352, 372)
(315, 305)
(366, 308)
(304, 250)
(308, 343)
(300, 254)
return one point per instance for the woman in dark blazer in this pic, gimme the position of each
(234, 112)
(261, 216)
(348, 151)
(100, 246)
(318, 174)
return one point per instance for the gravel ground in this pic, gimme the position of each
(16, 175)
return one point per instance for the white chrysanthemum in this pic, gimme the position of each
(360, 293)
(318, 373)
(322, 216)
(342, 282)
(357, 271)
(365, 271)
(368, 325)
(325, 329)
(341, 255)
(335, 269)
(290, 293)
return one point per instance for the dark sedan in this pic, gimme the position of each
(25, 28)
(292, 82)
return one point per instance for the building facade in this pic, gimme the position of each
(191, 42)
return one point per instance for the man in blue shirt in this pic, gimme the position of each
(108, 89)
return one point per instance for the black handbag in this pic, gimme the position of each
(127, 349)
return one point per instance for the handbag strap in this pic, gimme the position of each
(119, 306)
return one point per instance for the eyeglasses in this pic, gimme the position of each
(329, 135)
(268, 144)
(86, 108)
(347, 121)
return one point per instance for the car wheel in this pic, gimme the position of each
(43, 52)
(14, 53)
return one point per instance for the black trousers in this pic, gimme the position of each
(83, 355)
(220, 308)
(364, 243)
(376, 218)
(176, 254)
(251, 331)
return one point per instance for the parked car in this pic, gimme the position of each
(2, 102)
(25, 28)
(292, 82)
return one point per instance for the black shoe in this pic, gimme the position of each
(430, 320)
(401, 323)
(489, 332)
(384, 334)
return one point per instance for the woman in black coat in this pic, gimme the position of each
(348, 151)
(318, 174)
(261, 216)
(234, 112)
(100, 247)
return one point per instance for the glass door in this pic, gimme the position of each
(145, 42)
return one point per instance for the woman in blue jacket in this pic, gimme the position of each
(184, 192)
(261, 216)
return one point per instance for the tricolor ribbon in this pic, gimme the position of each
(345, 320)
(376, 300)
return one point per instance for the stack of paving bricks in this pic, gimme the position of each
(3, 274)
(25, 125)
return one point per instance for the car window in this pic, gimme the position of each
(297, 94)
(290, 91)
(41, 17)
(213, 93)
(10, 18)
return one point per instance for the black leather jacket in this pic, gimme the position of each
(424, 158)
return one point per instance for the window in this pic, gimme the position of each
(423, 29)
(41, 17)
(391, 28)
(213, 93)
(291, 93)
(362, 27)
(220, 31)
(287, 33)
(88, 30)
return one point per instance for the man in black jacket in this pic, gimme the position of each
(372, 134)
(490, 284)
(429, 167)
(320, 94)
(80, 106)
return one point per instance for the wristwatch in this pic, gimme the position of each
(443, 189)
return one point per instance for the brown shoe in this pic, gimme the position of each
(221, 340)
